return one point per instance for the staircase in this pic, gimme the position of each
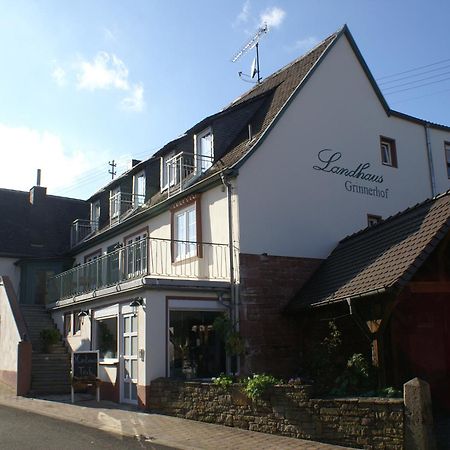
(50, 372)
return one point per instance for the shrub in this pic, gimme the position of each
(224, 381)
(256, 385)
(49, 336)
(355, 378)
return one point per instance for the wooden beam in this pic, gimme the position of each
(431, 287)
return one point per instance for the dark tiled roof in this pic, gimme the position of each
(39, 230)
(378, 258)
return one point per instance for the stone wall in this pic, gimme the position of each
(272, 338)
(369, 423)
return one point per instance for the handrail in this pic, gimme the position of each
(161, 257)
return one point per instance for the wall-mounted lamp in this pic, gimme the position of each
(82, 314)
(135, 303)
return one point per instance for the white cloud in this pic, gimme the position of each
(27, 149)
(243, 16)
(303, 45)
(135, 101)
(59, 75)
(106, 71)
(273, 17)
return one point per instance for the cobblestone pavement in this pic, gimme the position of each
(155, 428)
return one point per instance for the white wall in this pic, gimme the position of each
(288, 208)
(9, 269)
(9, 334)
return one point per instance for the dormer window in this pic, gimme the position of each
(114, 202)
(95, 215)
(138, 189)
(168, 170)
(204, 150)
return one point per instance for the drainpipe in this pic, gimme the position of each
(234, 292)
(430, 159)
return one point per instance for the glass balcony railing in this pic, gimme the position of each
(161, 258)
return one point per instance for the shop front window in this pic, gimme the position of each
(107, 337)
(195, 349)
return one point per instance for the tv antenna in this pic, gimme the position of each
(252, 43)
(112, 172)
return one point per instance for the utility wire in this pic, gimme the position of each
(418, 81)
(413, 69)
(414, 75)
(415, 87)
(396, 102)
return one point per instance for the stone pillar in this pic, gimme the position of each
(418, 416)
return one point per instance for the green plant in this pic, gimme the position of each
(49, 336)
(355, 378)
(224, 381)
(326, 362)
(256, 385)
(234, 344)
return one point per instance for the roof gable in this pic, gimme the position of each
(379, 258)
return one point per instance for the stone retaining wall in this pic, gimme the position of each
(370, 423)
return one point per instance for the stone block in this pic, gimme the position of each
(418, 416)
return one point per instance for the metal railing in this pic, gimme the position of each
(181, 169)
(162, 258)
(121, 203)
(80, 229)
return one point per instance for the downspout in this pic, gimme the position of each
(430, 159)
(233, 292)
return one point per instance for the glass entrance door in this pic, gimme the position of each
(129, 363)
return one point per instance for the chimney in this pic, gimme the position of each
(38, 192)
(134, 162)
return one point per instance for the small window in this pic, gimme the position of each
(185, 233)
(138, 189)
(136, 254)
(168, 170)
(388, 152)
(76, 321)
(204, 150)
(447, 157)
(95, 215)
(106, 337)
(67, 323)
(114, 202)
(373, 220)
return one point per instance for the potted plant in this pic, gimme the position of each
(49, 337)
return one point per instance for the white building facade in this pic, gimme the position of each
(232, 218)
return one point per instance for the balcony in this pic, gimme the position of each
(81, 229)
(182, 169)
(145, 258)
(121, 204)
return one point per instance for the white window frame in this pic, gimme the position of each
(95, 218)
(131, 265)
(110, 312)
(114, 212)
(168, 176)
(203, 164)
(373, 220)
(389, 156)
(184, 250)
(138, 197)
(386, 153)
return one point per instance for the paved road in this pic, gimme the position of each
(22, 430)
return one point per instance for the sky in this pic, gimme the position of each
(90, 81)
